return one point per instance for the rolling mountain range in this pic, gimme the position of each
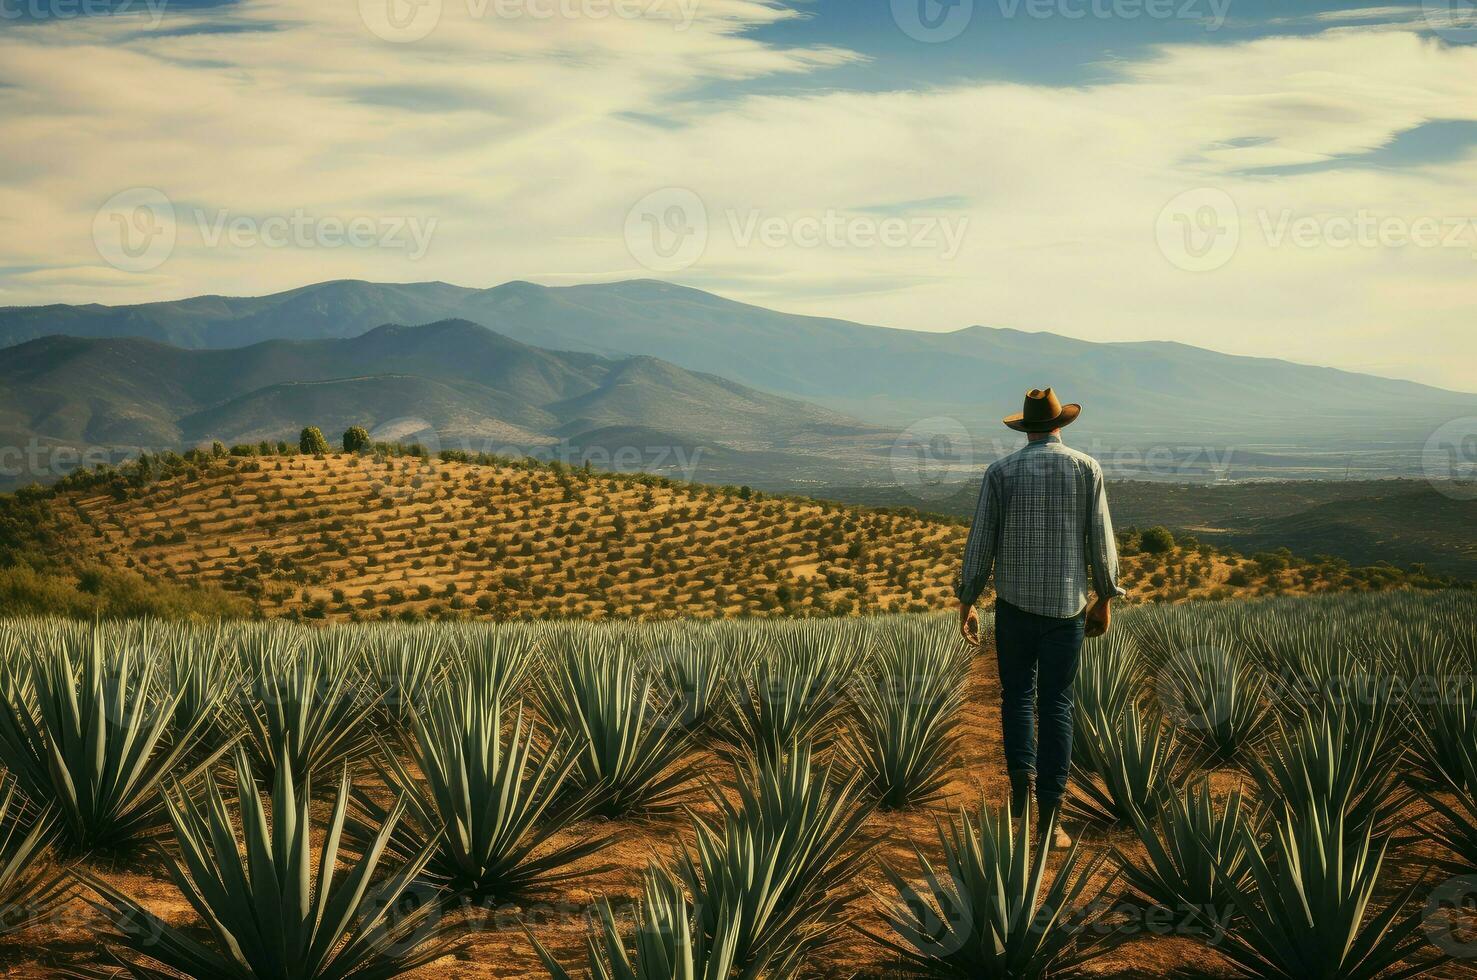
(822, 393)
(883, 375)
(470, 387)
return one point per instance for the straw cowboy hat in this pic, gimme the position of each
(1042, 413)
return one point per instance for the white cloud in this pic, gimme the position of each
(527, 140)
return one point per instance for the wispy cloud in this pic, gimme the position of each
(527, 141)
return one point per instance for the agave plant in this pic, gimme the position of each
(1455, 826)
(905, 739)
(1325, 760)
(87, 738)
(1308, 911)
(625, 760)
(196, 667)
(777, 868)
(795, 693)
(302, 708)
(1132, 759)
(987, 914)
(504, 655)
(264, 915)
(30, 889)
(666, 945)
(1444, 730)
(481, 803)
(695, 676)
(1216, 696)
(1192, 856)
(404, 670)
(1109, 676)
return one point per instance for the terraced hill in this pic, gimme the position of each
(381, 536)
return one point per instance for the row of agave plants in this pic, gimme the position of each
(467, 760)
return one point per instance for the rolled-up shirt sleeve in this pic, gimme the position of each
(1102, 547)
(984, 536)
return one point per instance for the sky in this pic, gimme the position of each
(1293, 179)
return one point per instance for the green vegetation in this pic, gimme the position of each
(311, 442)
(471, 762)
(264, 915)
(356, 439)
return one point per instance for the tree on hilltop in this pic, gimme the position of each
(311, 442)
(356, 439)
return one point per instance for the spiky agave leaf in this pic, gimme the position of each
(1326, 759)
(1133, 758)
(302, 706)
(91, 740)
(404, 667)
(1455, 823)
(1192, 855)
(796, 692)
(505, 654)
(1110, 674)
(904, 740)
(782, 858)
(695, 673)
(1308, 910)
(1216, 695)
(1443, 719)
(666, 945)
(627, 756)
(266, 914)
(30, 887)
(196, 665)
(482, 801)
(987, 913)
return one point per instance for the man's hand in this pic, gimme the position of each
(1099, 618)
(969, 624)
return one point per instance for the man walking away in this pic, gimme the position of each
(1041, 523)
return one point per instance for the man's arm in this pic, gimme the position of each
(1102, 549)
(979, 554)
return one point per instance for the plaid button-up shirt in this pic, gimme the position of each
(1041, 523)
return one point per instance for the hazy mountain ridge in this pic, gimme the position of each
(473, 387)
(884, 375)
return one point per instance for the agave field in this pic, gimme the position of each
(1282, 788)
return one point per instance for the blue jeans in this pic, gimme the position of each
(1038, 663)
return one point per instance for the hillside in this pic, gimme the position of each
(1149, 393)
(472, 388)
(1361, 521)
(399, 536)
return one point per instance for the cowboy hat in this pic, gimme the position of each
(1042, 413)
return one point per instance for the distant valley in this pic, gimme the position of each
(1361, 521)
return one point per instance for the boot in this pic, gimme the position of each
(1050, 816)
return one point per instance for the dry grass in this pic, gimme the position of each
(353, 537)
